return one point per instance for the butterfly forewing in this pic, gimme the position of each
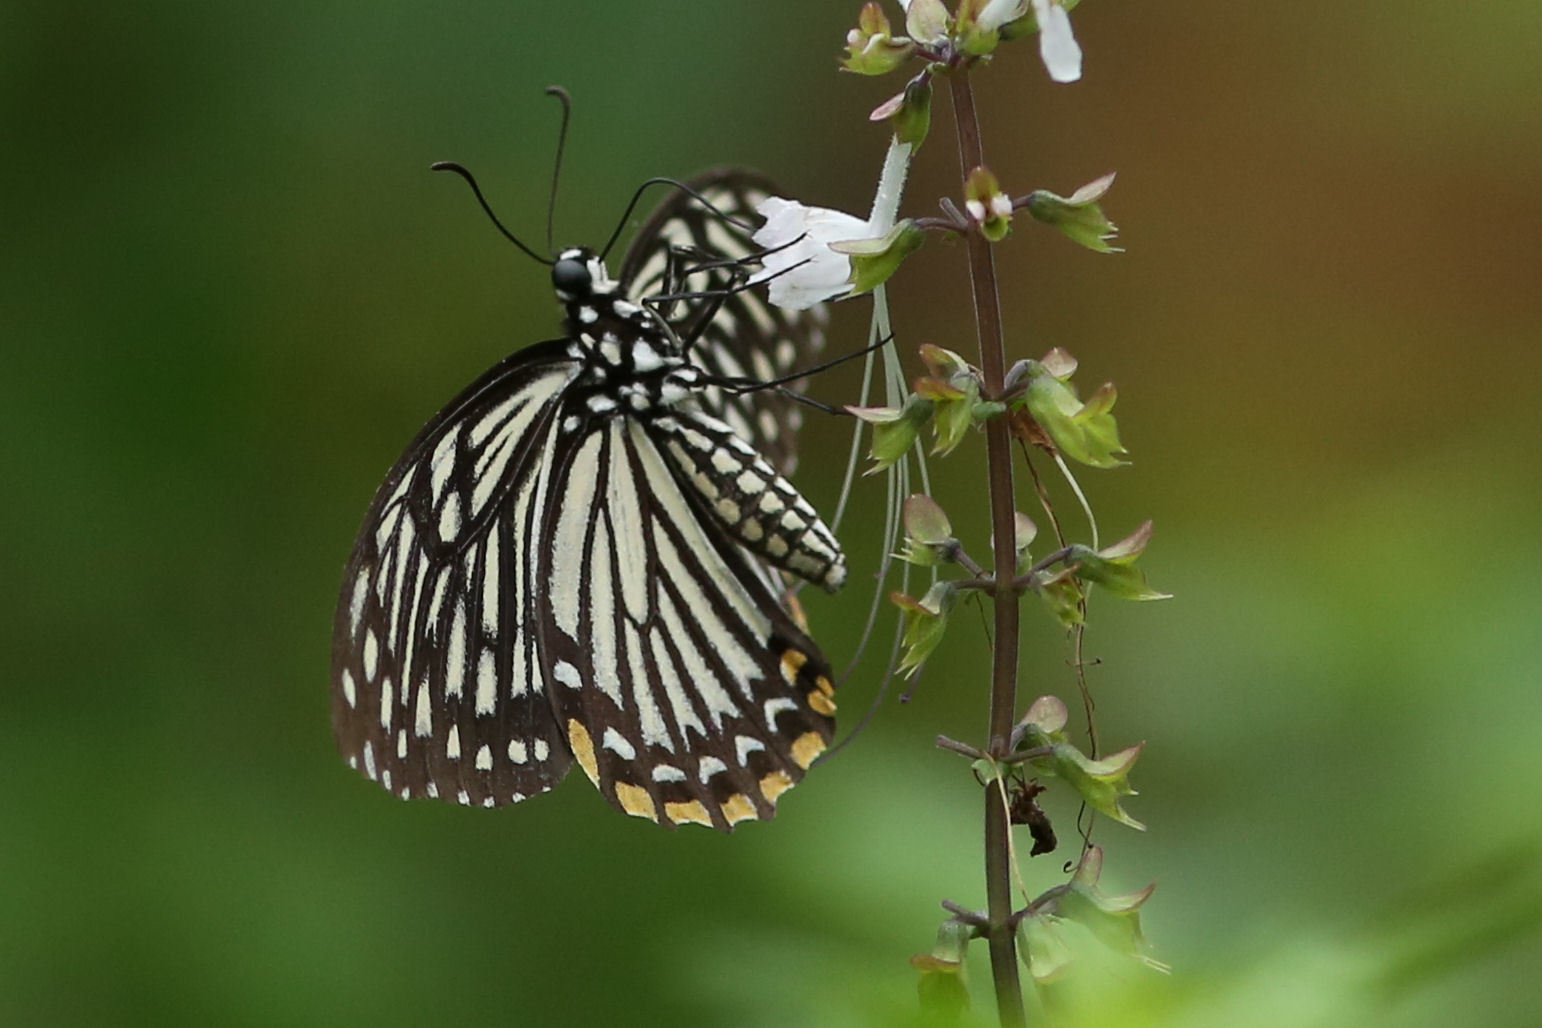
(745, 337)
(541, 580)
(432, 658)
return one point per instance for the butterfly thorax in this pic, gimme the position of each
(631, 362)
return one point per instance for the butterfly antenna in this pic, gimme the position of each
(476, 189)
(556, 171)
(677, 184)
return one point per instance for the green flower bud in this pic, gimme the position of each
(987, 204)
(870, 49)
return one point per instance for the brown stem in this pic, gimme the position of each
(998, 451)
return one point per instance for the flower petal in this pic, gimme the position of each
(1057, 45)
(800, 266)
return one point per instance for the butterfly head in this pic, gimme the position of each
(579, 275)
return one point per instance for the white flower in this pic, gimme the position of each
(800, 266)
(1057, 46)
(997, 13)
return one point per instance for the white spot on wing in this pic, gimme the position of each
(356, 601)
(776, 706)
(490, 570)
(487, 684)
(567, 674)
(485, 758)
(455, 659)
(744, 745)
(423, 722)
(618, 744)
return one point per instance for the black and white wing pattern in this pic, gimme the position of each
(747, 337)
(578, 558)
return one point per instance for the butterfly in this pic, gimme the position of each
(584, 557)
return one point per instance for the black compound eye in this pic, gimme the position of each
(571, 278)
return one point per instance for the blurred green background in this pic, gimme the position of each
(232, 291)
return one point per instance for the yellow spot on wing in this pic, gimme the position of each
(774, 784)
(688, 813)
(738, 808)
(824, 686)
(821, 703)
(806, 747)
(792, 660)
(635, 800)
(583, 749)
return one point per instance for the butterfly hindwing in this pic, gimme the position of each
(685, 690)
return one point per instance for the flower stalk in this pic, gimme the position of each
(999, 931)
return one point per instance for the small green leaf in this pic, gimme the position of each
(1048, 714)
(1079, 215)
(925, 622)
(928, 535)
(894, 429)
(950, 422)
(954, 386)
(1062, 593)
(1122, 580)
(1100, 782)
(943, 985)
(926, 20)
(1113, 567)
(1131, 546)
(913, 120)
(1113, 920)
(926, 521)
(873, 261)
(1025, 531)
(944, 363)
(1085, 432)
(1042, 947)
